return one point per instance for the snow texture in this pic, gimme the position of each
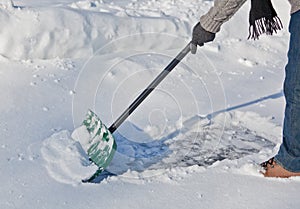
(195, 142)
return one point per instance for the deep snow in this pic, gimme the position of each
(194, 143)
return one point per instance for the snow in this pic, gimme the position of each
(196, 142)
(65, 159)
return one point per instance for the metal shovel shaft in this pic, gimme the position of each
(149, 89)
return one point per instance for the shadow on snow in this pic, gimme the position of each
(186, 147)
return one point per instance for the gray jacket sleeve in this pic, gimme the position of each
(222, 11)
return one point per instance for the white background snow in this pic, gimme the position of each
(194, 143)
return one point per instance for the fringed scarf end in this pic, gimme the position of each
(264, 25)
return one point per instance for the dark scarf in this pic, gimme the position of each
(263, 19)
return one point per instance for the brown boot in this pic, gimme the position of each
(272, 169)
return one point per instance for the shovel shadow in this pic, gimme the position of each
(272, 96)
(195, 119)
(137, 151)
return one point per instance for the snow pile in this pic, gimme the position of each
(66, 161)
(71, 32)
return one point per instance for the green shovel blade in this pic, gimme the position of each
(102, 143)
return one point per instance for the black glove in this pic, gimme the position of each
(200, 36)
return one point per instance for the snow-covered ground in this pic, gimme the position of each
(194, 143)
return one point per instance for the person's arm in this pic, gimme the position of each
(221, 12)
(211, 22)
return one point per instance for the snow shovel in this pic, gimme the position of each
(101, 144)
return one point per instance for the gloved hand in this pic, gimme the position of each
(200, 36)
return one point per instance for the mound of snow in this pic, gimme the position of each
(70, 32)
(65, 160)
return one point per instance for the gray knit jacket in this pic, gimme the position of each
(223, 10)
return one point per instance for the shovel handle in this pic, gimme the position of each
(150, 88)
